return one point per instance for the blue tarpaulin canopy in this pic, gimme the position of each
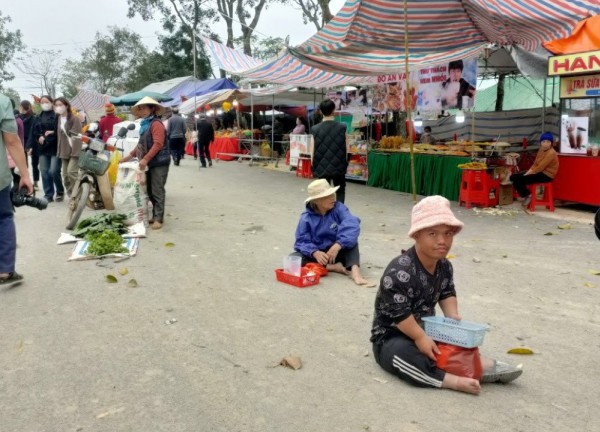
(185, 87)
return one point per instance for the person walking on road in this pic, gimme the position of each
(176, 130)
(329, 157)
(11, 143)
(44, 136)
(69, 146)
(153, 153)
(206, 135)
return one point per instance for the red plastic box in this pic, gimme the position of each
(307, 279)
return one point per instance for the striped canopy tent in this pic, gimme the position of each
(89, 100)
(282, 69)
(366, 37)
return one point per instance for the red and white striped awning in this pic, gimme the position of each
(88, 100)
(367, 36)
(283, 69)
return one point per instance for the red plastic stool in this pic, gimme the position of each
(546, 200)
(287, 157)
(304, 168)
(475, 188)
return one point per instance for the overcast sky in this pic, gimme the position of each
(70, 26)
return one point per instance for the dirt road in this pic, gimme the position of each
(79, 354)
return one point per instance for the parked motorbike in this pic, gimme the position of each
(92, 187)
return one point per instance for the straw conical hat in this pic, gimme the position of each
(147, 100)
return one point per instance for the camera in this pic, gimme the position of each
(21, 198)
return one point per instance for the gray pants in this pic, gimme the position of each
(156, 178)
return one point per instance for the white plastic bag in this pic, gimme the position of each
(131, 198)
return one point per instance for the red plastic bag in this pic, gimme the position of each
(464, 362)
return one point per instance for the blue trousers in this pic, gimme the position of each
(50, 170)
(8, 235)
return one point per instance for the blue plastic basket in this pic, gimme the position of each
(462, 333)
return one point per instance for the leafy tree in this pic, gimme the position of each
(42, 67)
(174, 59)
(314, 11)
(244, 15)
(12, 94)
(107, 64)
(10, 43)
(226, 9)
(264, 48)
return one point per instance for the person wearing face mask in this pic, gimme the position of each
(44, 136)
(69, 146)
(153, 153)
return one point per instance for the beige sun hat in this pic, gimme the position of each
(147, 100)
(319, 189)
(432, 211)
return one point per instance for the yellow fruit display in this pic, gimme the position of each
(391, 143)
(473, 166)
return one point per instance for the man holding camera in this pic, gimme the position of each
(9, 141)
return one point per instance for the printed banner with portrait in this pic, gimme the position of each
(449, 86)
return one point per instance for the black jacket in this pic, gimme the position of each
(206, 132)
(329, 149)
(46, 121)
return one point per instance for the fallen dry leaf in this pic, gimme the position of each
(589, 285)
(521, 351)
(132, 283)
(594, 272)
(549, 233)
(291, 362)
(123, 271)
(110, 412)
(450, 256)
(110, 278)
(564, 226)
(170, 244)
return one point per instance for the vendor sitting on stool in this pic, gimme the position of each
(543, 170)
(327, 233)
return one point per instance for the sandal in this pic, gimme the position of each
(501, 373)
(12, 280)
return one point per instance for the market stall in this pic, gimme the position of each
(579, 158)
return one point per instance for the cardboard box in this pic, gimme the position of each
(506, 195)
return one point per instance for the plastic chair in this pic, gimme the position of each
(304, 168)
(475, 188)
(547, 199)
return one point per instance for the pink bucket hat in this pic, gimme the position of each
(432, 211)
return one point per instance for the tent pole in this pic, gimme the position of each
(544, 106)
(314, 108)
(409, 105)
(273, 127)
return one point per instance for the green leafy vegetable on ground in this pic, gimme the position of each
(99, 223)
(105, 243)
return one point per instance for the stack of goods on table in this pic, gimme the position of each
(450, 148)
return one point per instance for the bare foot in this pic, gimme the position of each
(466, 385)
(358, 279)
(337, 268)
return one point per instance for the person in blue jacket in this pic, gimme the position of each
(327, 233)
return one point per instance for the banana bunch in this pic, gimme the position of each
(473, 166)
